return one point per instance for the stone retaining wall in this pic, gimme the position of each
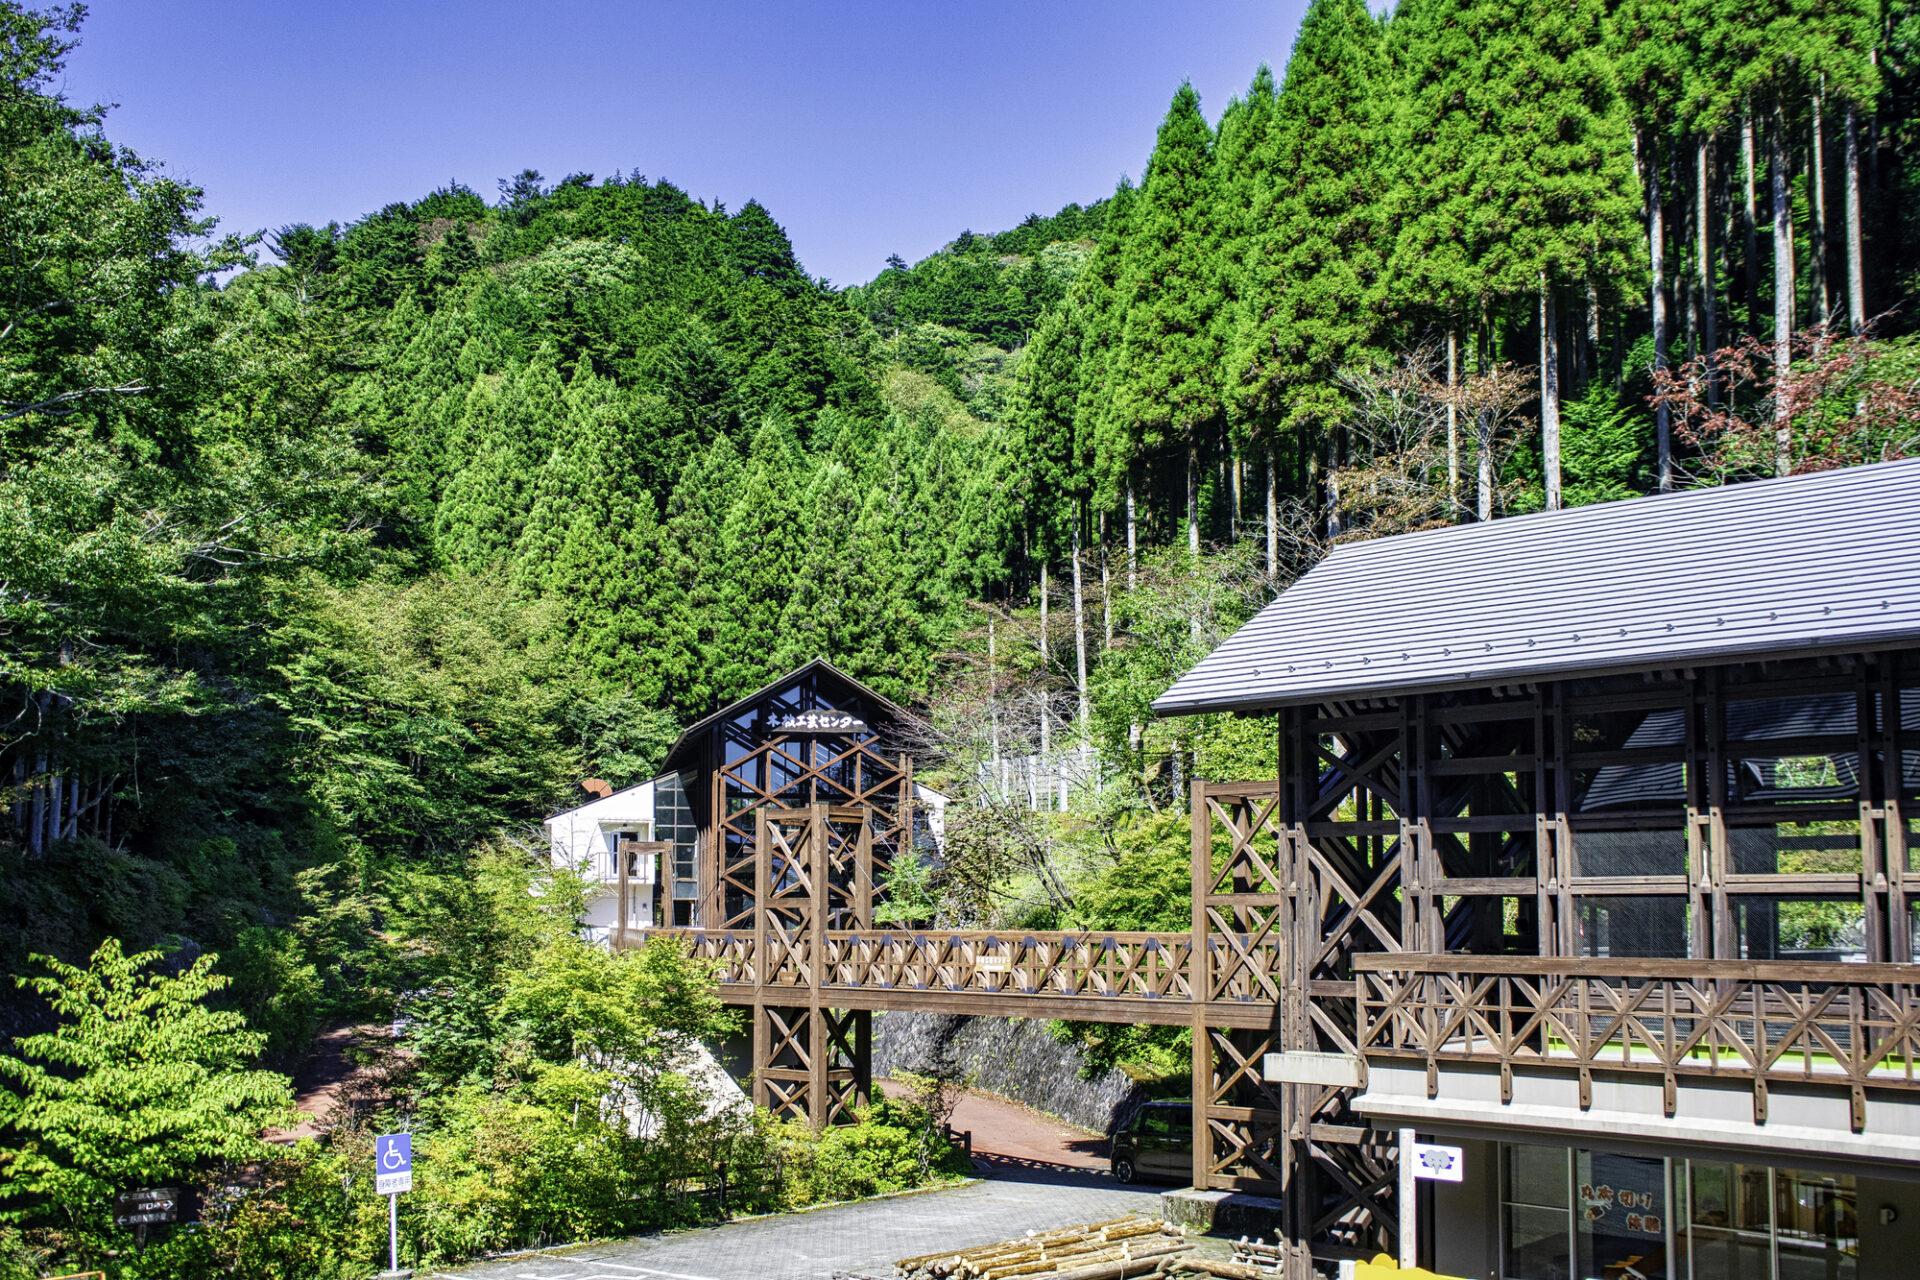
(1013, 1057)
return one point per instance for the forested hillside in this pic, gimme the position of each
(330, 559)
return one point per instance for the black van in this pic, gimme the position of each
(1156, 1143)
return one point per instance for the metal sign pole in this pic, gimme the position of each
(392, 1175)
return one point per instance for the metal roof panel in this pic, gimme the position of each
(1801, 564)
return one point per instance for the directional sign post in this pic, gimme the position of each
(392, 1174)
(148, 1206)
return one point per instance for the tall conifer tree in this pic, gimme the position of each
(1169, 375)
(1315, 267)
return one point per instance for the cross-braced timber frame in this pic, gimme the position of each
(1693, 817)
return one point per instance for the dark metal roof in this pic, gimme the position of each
(1810, 563)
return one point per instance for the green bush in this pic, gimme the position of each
(893, 1147)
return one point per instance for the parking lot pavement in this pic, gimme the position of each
(861, 1239)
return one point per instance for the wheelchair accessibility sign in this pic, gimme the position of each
(392, 1163)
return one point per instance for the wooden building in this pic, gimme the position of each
(1590, 866)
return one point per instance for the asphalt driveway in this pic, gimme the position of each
(860, 1239)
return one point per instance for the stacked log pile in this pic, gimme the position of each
(1118, 1249)
(1252, 1260)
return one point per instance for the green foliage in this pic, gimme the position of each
(1149, 885)
(893, 1146)
(140, 1084)
(1313, 279)
(1168, 389)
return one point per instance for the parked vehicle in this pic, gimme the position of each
(1157, 1142)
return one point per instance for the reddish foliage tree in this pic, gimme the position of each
(1843, 400)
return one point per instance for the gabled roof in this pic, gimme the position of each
(1804, 564)
(818, 665)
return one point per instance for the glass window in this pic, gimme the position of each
(1620, 1228)
(673, 820)
(1750, 1221)
(1815, 1229)
(1796, 848)
(1770, 928)
(1535, 1217)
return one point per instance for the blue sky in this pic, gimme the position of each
(867, 128)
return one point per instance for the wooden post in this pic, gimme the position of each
(819, 1042)
(1200, 977)
(1892, 745)
(621, 857)
(762, 1033)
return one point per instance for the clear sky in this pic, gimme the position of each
(867, 127)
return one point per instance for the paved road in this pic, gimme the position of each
(1003, 1127)
(860, 1239)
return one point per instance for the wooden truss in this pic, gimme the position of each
(1381, 896)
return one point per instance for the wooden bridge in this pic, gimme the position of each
(1423, 883)
(812, 968)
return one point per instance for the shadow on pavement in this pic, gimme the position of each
(1021, 1169)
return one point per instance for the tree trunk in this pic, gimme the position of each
(1106, 587)
(1817, 185)
(993, 700)
(1179, 777)
(1856, 287)
(1549, 395)
(1782, 289)
(1080, 644)
(1238, 470)
(1273, 517)
(1046, 651)
(1133, 541)
(1046, 751)
(1750, 264)
(1703, 217)
(1593, 323)
(1483, 474)
(1453, 421)
(1193, 498)
(1333, 486)
(1656, 251)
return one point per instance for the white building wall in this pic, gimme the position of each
(582, 839)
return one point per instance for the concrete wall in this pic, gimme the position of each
(1889, 1251)
(1012, 1057)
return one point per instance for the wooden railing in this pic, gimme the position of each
(1014, 963)
(1849, 1025)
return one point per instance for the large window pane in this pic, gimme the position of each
(1815, 1226)
(1794, 774)
(1796, 848)
(1800, 928)
(1537, 1245)
(1622, 1218)
(1537, 1176)
(1730, 1225)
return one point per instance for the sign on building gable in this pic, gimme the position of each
(823, 721)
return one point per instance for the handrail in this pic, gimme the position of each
(1853, 1025)
(1242, 968)
(1637, 967)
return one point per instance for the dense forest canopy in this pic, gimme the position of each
(331, 556)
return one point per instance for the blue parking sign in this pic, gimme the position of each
(392, 1163)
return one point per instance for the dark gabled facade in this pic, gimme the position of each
(780, 749)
